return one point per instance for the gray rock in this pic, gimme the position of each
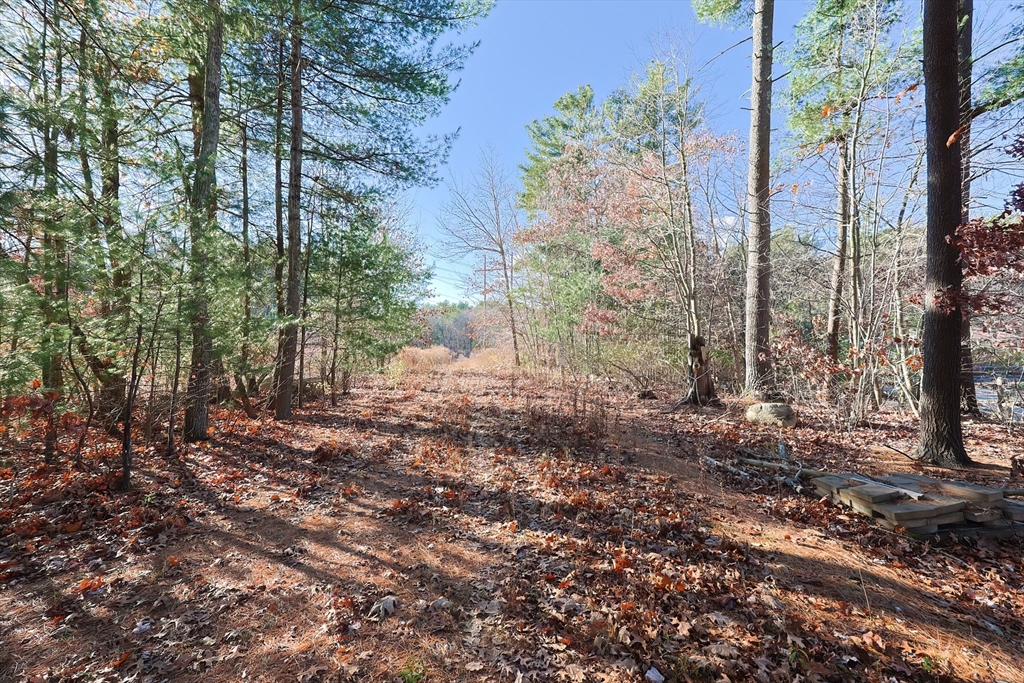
(771, 414)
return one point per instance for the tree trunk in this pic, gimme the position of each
(304, 303)
(248, 275)
(55, 288)
(174, 382)
(758, 362)
(289, 337)
(702, 385)
(941, 436)
(965, 54)
(203, 213)
(835, 298)
(279, 213)
(113, 383)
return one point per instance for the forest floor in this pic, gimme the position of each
(476, 524)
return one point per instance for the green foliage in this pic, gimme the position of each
(100, 116)
(575, 122)
(840, 58)
(728, 12)
(1004, 83)
(413, 671)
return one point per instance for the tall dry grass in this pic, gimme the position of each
(412, 359)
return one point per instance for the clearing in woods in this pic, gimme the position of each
(471, 523)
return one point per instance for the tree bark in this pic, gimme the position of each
(55, 288)
(702, 385)
(289, 337)
(279, 211)
(203, 213)
(835, 297)
(965, 54)
(758, 361)
(113, 383)
(941, 436)
(173, 411)
(303, 305)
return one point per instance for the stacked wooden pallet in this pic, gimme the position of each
(926, 507)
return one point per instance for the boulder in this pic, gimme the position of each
(771, 414)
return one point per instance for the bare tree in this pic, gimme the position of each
(480, 220)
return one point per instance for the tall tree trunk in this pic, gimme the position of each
(758, 362)
(511, 306)
(279, 210)
(304, 302)
(941, 436)
(289, 339)
(835, 297)
(243, 394)
(113, 383)
(203, 213)
(965, 53)
(55, 288)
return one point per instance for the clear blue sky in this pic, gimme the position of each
(533, 51)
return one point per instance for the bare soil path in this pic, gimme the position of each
(474, 524)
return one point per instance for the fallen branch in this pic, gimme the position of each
(728, 468)
(801, 471)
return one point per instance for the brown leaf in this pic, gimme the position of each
(955, 137)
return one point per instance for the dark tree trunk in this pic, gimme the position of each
(113, 383)
(941, 436)
(303, 304)
(835, 297)
(172, 413)
(965, 53)
(289, 337)
(203, 213)
(758, 361)
(55, 288)
(250, 411)
(702, 385)
(279, 212)
(126, 418)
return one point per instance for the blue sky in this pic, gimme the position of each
(533, 51)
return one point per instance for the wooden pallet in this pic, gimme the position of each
(925, 507)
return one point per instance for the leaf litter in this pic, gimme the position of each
(496, 527)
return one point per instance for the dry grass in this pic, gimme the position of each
(487, 359)
(412, 359)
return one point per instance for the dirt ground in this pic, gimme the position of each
(473, 523)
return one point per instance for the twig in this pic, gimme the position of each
(864, 588)
(905, 455)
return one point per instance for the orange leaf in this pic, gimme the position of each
(825, 111)
(173, 561)
(90, 584)
(821, 148)
(955, 137)
(122, 659)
